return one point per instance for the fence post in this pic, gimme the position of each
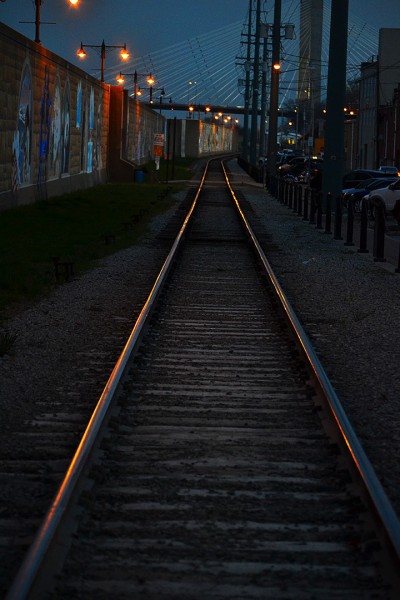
(319, 210)
(338, 219)
(397, 269)
(274, 184)
(328, 218)
(300, 201)
(363, 228)
(350, 222)
(280, 190)
(305, 205)
(312, 205)
(379, 234)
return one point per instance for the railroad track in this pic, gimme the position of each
(219, 462)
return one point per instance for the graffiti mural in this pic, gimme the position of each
(84, 130)
(79, 105)
(21, 148)
(55, 132)
(97, 158)
(44, 134)
(91, 127)
(65, 138)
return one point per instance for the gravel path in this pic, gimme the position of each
(348, 304)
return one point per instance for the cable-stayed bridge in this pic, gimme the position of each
(209, 69)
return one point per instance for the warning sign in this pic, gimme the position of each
(159, 139)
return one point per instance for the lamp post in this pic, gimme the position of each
(162, 94)
(135, 75)
(274, 96)
(38, 4)
(82, 54)
(151, 89)
(191, 97)
(161, 90)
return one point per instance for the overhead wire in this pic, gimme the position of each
(216, 60)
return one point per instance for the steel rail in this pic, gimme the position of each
(380, 501)
(24, 582)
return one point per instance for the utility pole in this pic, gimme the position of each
(245, 151)
(274, 100)
(264, 90)
(334, 156)
(256, 69)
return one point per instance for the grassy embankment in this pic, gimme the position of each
(73, 227)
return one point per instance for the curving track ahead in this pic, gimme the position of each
(221, 472)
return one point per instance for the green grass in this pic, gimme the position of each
(71, 227)
(181, 170)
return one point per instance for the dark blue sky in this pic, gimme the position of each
(149, 25)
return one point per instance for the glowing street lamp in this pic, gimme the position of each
(162, 92)
(38, 4)
(136, 91)
(124, 54)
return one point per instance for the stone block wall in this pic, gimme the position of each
(54, 123)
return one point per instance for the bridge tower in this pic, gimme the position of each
(309, 71)
(311, 20)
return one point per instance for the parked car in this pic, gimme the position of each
(353, 178)
(298, 164)
(391, 170)
(262, 161)
(357, 193)
(387, 196)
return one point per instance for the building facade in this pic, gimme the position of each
(378, 134)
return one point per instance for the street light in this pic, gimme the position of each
(38, 4)
(162, 94)
(139, 92)
(124, 54)
(136, 92)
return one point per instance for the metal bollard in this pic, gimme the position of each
(338, 219)
(290, 202)
(305, 205)
(328, 217)
(379, 234)
(363, 228)
(319, 210)
(350, 222)
(397, 269)
(273, 186)
(300, 201)
(295, 196)
(313, 206)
